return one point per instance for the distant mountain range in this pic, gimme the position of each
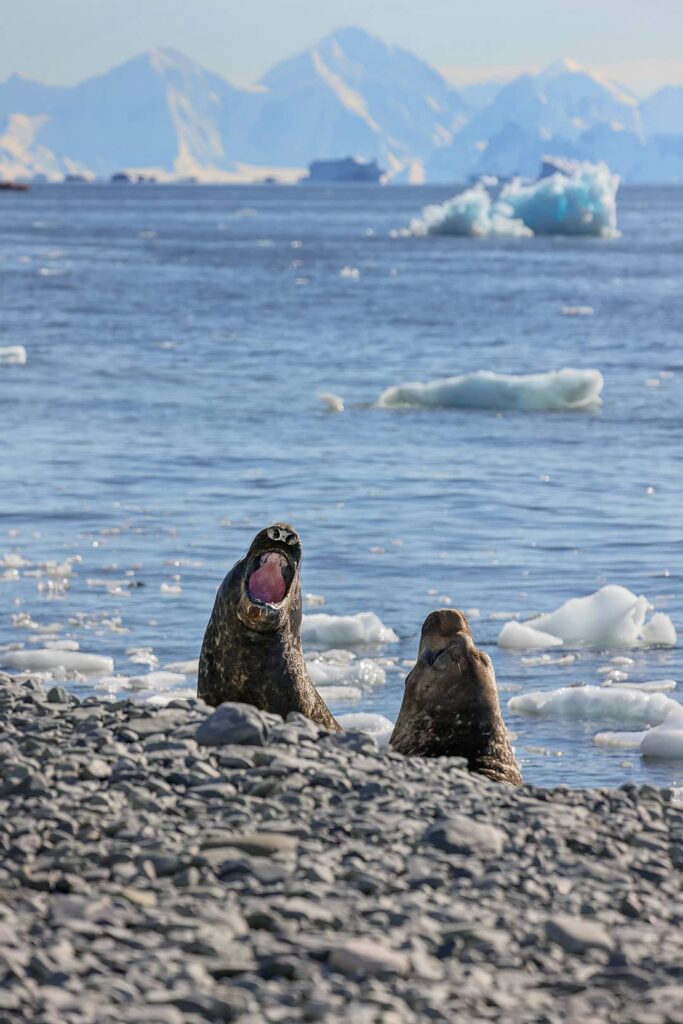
(351, 94)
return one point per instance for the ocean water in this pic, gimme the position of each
(177, 339)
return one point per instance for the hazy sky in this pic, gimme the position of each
(64, 41)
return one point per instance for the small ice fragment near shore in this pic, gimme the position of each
(13, 354)
(649, 686)
(577, 310)
(352, 273)
(660, 631)
(331, 402)
(170, 589)
(332, 668)
(619, 740)
(187, 668)
(326, 631)
(664, 741)
(612, 616)
(563, 390)
(618, 703)
(331, 694)
(313, 600)
(520, 637)
(375, 725)
(48, 660)
(159, 680)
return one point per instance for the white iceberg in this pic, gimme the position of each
(13, 354)
(580, 202)
(612, 616)
(327, 631)
(557, 390)
(54, 660)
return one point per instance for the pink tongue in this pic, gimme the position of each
(268, 584)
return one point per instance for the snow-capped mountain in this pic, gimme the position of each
(532, 115)
(351, 94)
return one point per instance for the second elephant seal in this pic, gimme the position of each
(252, 645)
(450, 705)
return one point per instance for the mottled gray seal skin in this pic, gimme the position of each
(252, 645)
(450, 705)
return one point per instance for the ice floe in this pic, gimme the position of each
(55, 660)
(581, 202)
(331, 402)
(375, 725)
(612, 616)
(13, 354)
(664, 740)
(611, 703)
(557, 390)
(343, 668)
(327, 631)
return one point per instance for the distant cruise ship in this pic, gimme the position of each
(348, 169)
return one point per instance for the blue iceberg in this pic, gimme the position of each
(579, 201)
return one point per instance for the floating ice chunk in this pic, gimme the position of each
(13, 561)
(160, 700)
(49, 660)
(660, 631)
(617, 703)
(359, 672)
(313, 600)
(611, 616)
(520, 637)
(326, 631)
(332, 694)
(377, 726)
(160, 680)
(619, 740)
(583, 202)
(352, 273)
(578, 310)
(470, 214)
(15, 354)
(331, 402)
(664, 741)
(187, 668)
(170, 589)
(557, 390)
(649, 686)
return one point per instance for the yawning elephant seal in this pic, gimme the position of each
(252, 645)
(450, 704)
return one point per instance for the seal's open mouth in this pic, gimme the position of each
(271, 578)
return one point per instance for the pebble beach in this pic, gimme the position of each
(185, 864)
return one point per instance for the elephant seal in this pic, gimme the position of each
(450, 704)
(252, 645)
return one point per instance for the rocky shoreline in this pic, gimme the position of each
(179, 865)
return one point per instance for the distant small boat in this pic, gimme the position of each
(14, 186)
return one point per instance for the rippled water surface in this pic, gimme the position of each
(177, 338)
